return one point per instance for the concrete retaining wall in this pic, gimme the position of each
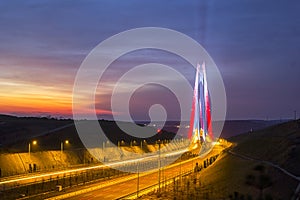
(19, 163)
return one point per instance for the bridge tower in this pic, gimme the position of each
(200, 130)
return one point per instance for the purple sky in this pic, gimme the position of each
(255, 44)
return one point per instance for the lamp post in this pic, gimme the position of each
(180, 171)
(142, 141)
(62, 146)
(120, 144)
(103, 153)
(132, 143)
(138, 180)
(159, 165)
(34, 142)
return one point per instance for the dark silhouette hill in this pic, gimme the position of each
(279, 144)
(51, 140)
(237, 127)
(17, 132)
(262, 164)
(231, 127)
(14, 129)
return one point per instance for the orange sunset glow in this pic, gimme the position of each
(23, 98)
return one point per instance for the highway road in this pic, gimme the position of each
(11, 182)
(128, 185)
(117, 186)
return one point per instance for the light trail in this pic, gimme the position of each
(114, 164)
(110, 183)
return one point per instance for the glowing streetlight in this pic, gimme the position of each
(143, 141)
(34, 142)
(132, 143)
(62, 146)
(120, 143)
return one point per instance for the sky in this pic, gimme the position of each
(255, 45)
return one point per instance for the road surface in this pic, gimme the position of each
(129, 185)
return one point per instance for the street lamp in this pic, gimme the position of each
(62, 146)
(159, 165)
(138, 180)
(103, 147)
(34, 142)
(142, 141)
(132, 143)
(120, 143)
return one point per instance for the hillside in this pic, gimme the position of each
(16, 132)
(14, 129)
(278, 145)
(250, 169)
(236, 127)
(51, 140)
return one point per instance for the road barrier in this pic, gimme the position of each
(156, 187)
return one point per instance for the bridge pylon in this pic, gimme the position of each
(200, 130)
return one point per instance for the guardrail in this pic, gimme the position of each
(155, 187)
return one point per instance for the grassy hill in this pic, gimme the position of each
(240, 173)
(278, 144)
